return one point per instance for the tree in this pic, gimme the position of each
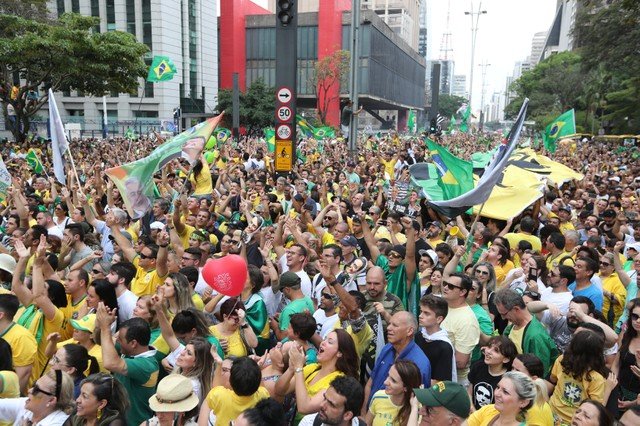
(30, 9)
(326, 79)
(256, 106)
(62, 55)
(449, 104)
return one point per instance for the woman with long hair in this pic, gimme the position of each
(200, 179)
(625, 360)
(9, 383)
(196, 363)
(48, 402)
(540, 413)
(74, 360)
(578, 374)
(530, 276)
(234, 334)
(336, 357)
(515, 394)
(101, 290)
(256, 310)
(394, 399)
(592, 413)
(146, 310)
(176, 293)
(103, 401)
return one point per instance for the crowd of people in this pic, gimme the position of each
(352, 313)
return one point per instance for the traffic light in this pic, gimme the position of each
(433, 126)
(285, 12)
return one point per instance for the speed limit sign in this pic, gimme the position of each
(284, 113)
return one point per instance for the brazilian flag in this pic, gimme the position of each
(161, 69)
(455, 175)
(564, 125)
(323, 132)
(270, 136)
(33, 161)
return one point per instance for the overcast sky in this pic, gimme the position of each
(504, 36)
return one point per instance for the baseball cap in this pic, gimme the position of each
(615, 178)
(157, 225)
(289, 279)
(398, 248)
(552, 215)
(351, 164)
(432, 254)
(349, 240)
(86, 323)
(449, 395)
(437, 223)
(565, 208)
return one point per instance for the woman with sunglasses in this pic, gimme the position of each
(48, 403)
(102, 401)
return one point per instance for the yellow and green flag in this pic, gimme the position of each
(564, 125)
(33, 161)
(135, 180)
(161, 69)
(455, 174)
(5, 180)
(270, 136)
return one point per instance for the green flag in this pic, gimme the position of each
(34, 162)
(464, 121)
(455, 175)
(564, 125)
(270, 136)
(304, 127)
(161, 69)
(324, 132)
(452, 125)
(411, 121)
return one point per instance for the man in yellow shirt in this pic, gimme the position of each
(151, 263)
(22, 342)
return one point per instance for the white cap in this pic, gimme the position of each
(157, 225)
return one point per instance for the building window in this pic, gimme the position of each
(131, 17)
(75, 6)
(60, 7)
(95, 11)
(193, 50)
(145, 114)
(146, 23)
(148, 89)
(111, 15)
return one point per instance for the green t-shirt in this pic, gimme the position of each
(141, 381)
(297, 306)
(486, 328)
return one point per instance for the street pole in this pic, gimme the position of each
(353, 77)
(484, 66)
(474, 33)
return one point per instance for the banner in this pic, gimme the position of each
(5, 180)
(33, 161)
(135, 180)
(161, 69)
(270, 136)
(58, 139)
(455, 175)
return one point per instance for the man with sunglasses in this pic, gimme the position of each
(460, 322)
(557, 292)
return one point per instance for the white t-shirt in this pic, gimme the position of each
(325, 323)
(126, 304)
(560, 300)
(305, 281)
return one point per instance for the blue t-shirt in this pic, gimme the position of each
(592, 292)
(386, 359)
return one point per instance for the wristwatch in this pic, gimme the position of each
(243, 326)
(298, 370)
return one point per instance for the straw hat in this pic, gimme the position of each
(174, 394)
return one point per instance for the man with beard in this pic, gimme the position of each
(341, 405)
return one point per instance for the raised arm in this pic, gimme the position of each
(110, 358)
(410, 255)
(41, 298)
(122, 241)
(370, 239)
(25, 296)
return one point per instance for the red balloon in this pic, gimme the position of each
(226, 275)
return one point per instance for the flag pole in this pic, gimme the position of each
(73, 166)
(470, 234)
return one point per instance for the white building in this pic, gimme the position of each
(559, 37)
(185, 31)
(537, 47)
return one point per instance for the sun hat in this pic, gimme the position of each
(174, 394)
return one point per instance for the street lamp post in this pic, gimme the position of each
(474, 31)
(484, 66)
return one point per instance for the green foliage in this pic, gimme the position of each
(63, 55)
(449, 104)
(256, 106)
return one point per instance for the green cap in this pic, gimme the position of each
(450, 395)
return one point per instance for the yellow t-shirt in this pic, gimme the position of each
(235, 345)
(202, 183)
(145, 282)
(310, 371)
(383, 410)
(361, 339)
(389, 166)
(197, 301)
(188, 230)
(226, 405)
(56, 325)
(613, 285)
(516, 336)
(570, 392)
(10, 386)
(72, 312)
(23, 345)
(464, 332)
(537, 415)
(515, 237)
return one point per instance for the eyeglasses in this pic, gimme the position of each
(635, 317)
(96, 271)
(605, 264)
(144, 256)
(326, 295)
(395, 255)
(481, 272)
(187, 258)
(451, 286)
(36, 390)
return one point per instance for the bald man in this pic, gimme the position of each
(400, 332)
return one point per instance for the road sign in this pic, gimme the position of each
(284, 95)
(284, 155)
(283, 131)
(283, 114)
